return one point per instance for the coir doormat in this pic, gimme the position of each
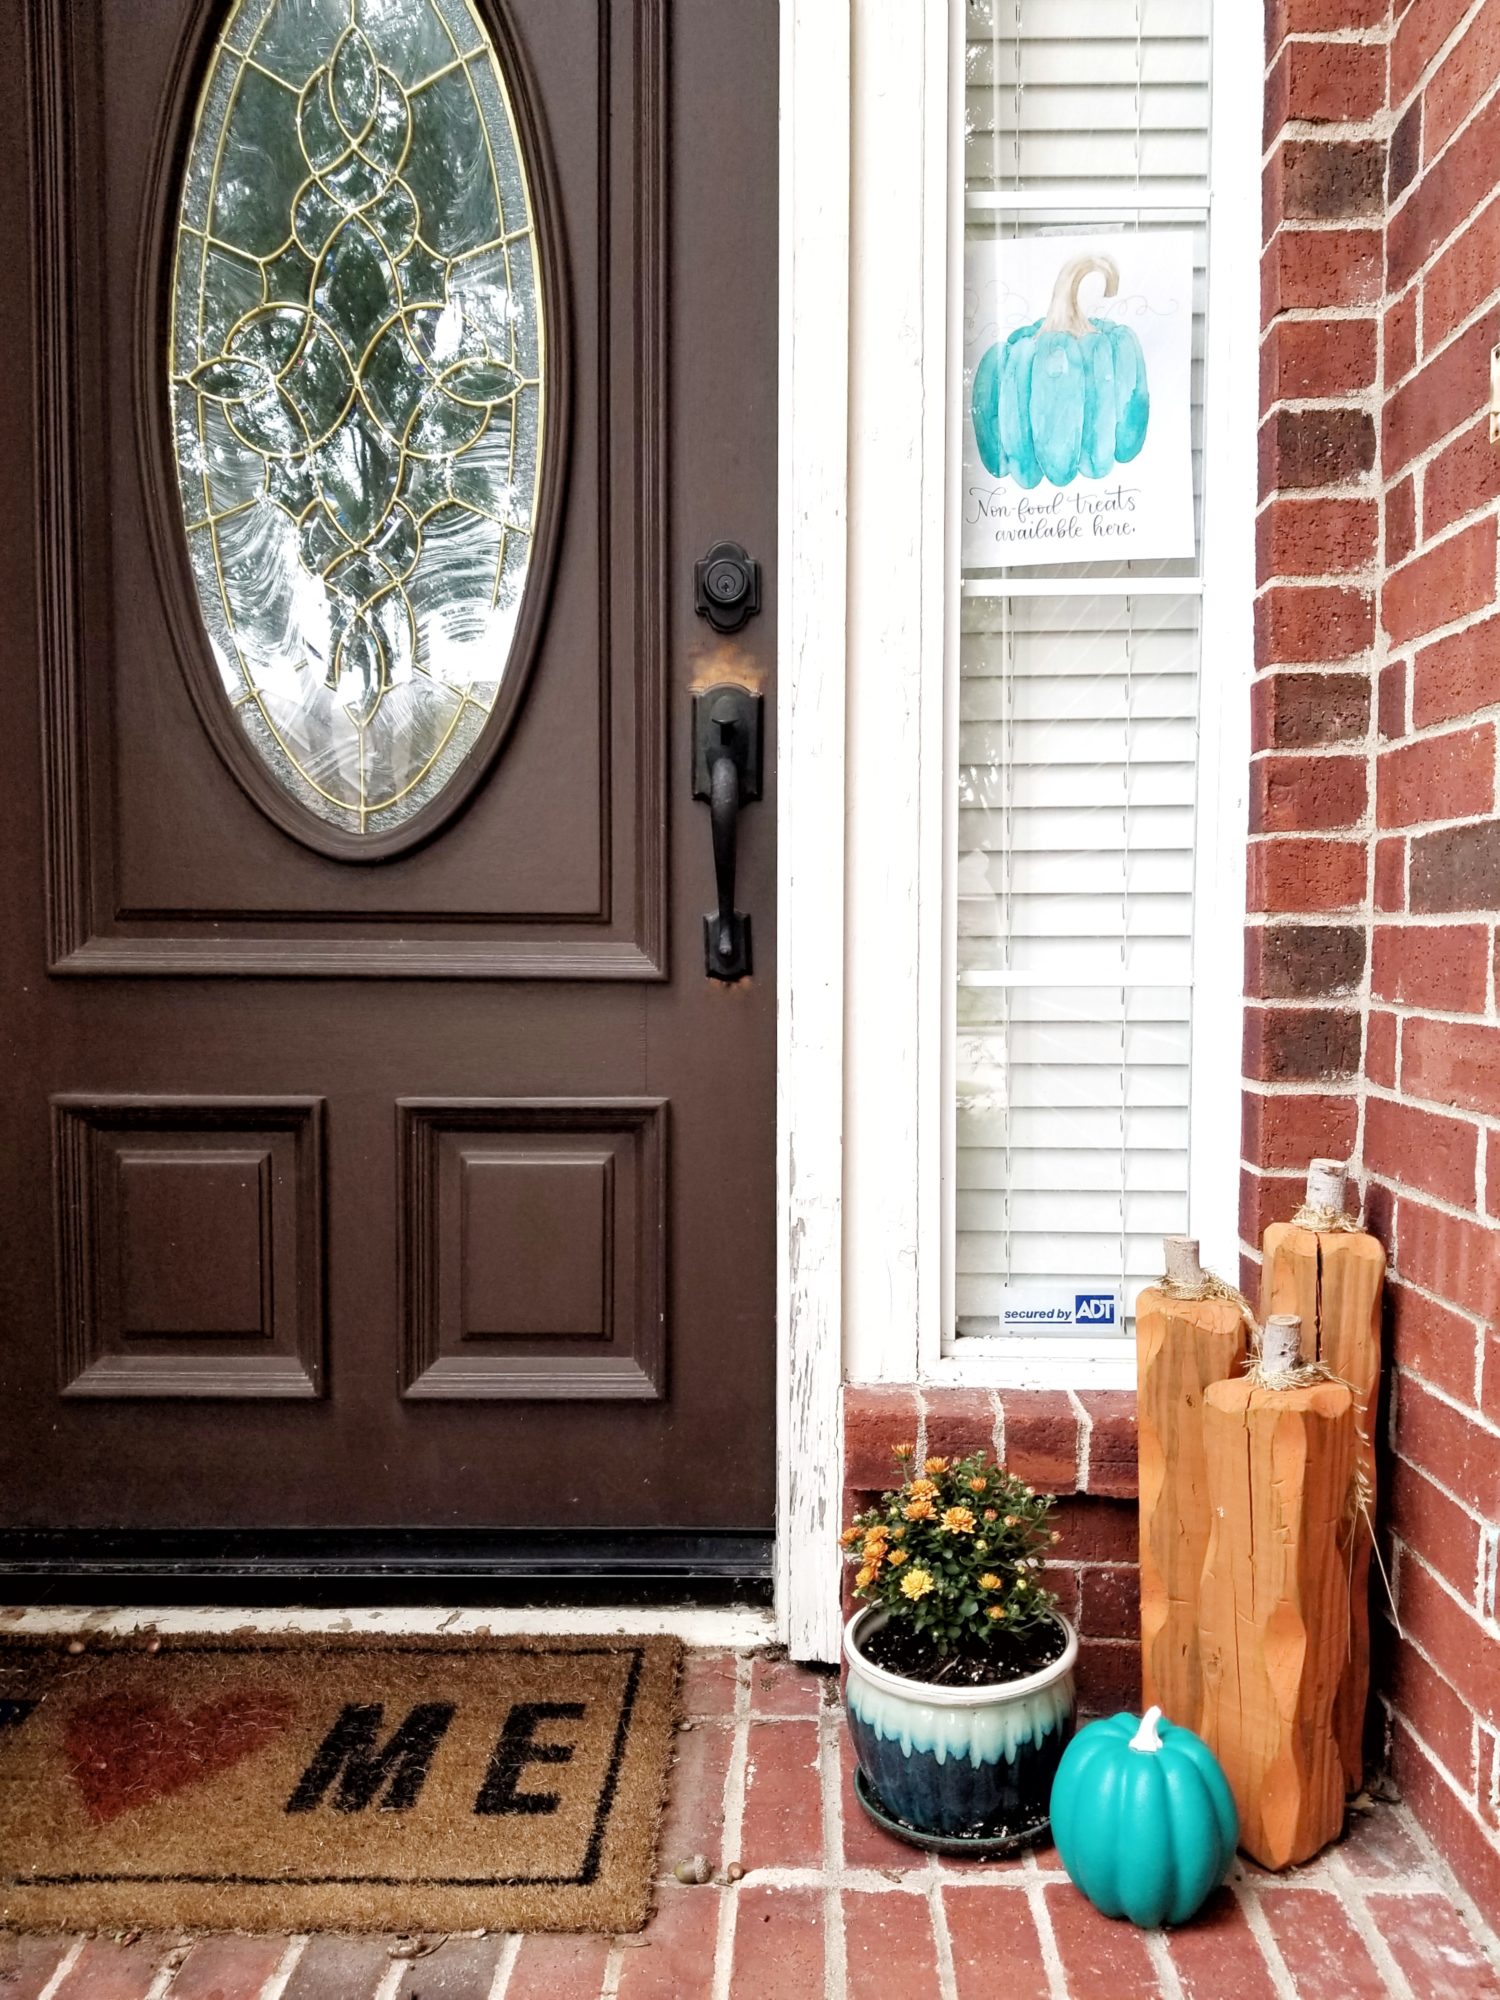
(332, 1783)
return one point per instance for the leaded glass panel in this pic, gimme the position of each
(357, 363)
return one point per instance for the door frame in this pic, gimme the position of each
(865, 159)
(812, 402)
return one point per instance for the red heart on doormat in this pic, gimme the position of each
(125, 1752)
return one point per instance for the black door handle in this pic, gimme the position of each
(726, 772)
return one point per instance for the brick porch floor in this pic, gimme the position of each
(829, 1906)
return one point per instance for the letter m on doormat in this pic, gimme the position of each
(349, 1754)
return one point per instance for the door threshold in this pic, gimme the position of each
(728, 1627)
(518, 1568)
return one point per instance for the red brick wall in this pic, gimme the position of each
(1082, 1448)
(1371, 1027)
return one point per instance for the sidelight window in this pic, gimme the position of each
(1078, 831)
(357, 374)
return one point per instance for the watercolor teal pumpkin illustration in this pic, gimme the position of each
(1065, 395)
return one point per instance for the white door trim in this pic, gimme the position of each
(811, 637)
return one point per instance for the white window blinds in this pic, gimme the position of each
(1077, 731)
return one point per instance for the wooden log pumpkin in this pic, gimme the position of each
(1334, 1280)
(1274, 1604)
(1181, 1345)
(1143, 1818)
(1066, 394)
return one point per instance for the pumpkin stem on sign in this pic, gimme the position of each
(1064, 315)
(1148, 1736)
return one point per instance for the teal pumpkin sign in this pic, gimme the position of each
(1143, 1818)
(1065, 395)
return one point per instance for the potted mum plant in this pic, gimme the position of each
(960, 1689)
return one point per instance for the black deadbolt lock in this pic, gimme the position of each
(728, 586)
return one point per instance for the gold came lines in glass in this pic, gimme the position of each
(357, 365)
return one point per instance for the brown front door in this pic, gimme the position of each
(379, 1155)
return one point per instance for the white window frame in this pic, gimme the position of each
(871, 274)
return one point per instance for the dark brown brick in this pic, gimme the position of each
(1095, 1529)
(1303, 961)
(1301, 1044)
(1305, 448)
(1456, 869)
(1405, 152)
(1109, 1679)
(1318, 181)
(1111, 1606)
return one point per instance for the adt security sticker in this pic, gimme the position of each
(1060, 1309)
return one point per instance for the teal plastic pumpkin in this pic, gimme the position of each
(1066, 394)
(1143, 1818)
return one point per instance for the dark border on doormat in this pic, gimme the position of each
(351, 1643)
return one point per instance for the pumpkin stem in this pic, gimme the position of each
(1063, 315)
(1148, 1737)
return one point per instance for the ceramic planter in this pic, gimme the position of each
(958, 1760)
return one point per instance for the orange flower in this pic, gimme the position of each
(922, 1489)
(898, 1534)
(904, 1450)
(899, 1556)
(997, 1611)
(978, 1484)
(959, 1521)
(850, 1536)
(989, 1581)
(919, 1510)
(936, 1465)
(863, 1578)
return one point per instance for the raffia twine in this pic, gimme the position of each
(1312, 1215)
(1211, 1287)
(1361, 1502)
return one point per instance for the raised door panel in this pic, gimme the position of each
(189, 1246)
(533, 1248)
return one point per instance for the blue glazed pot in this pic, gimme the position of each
(953, 1760)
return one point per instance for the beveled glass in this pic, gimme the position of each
(357, 369)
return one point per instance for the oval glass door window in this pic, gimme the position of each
(357, 378)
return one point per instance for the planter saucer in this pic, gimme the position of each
(973, 1846)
